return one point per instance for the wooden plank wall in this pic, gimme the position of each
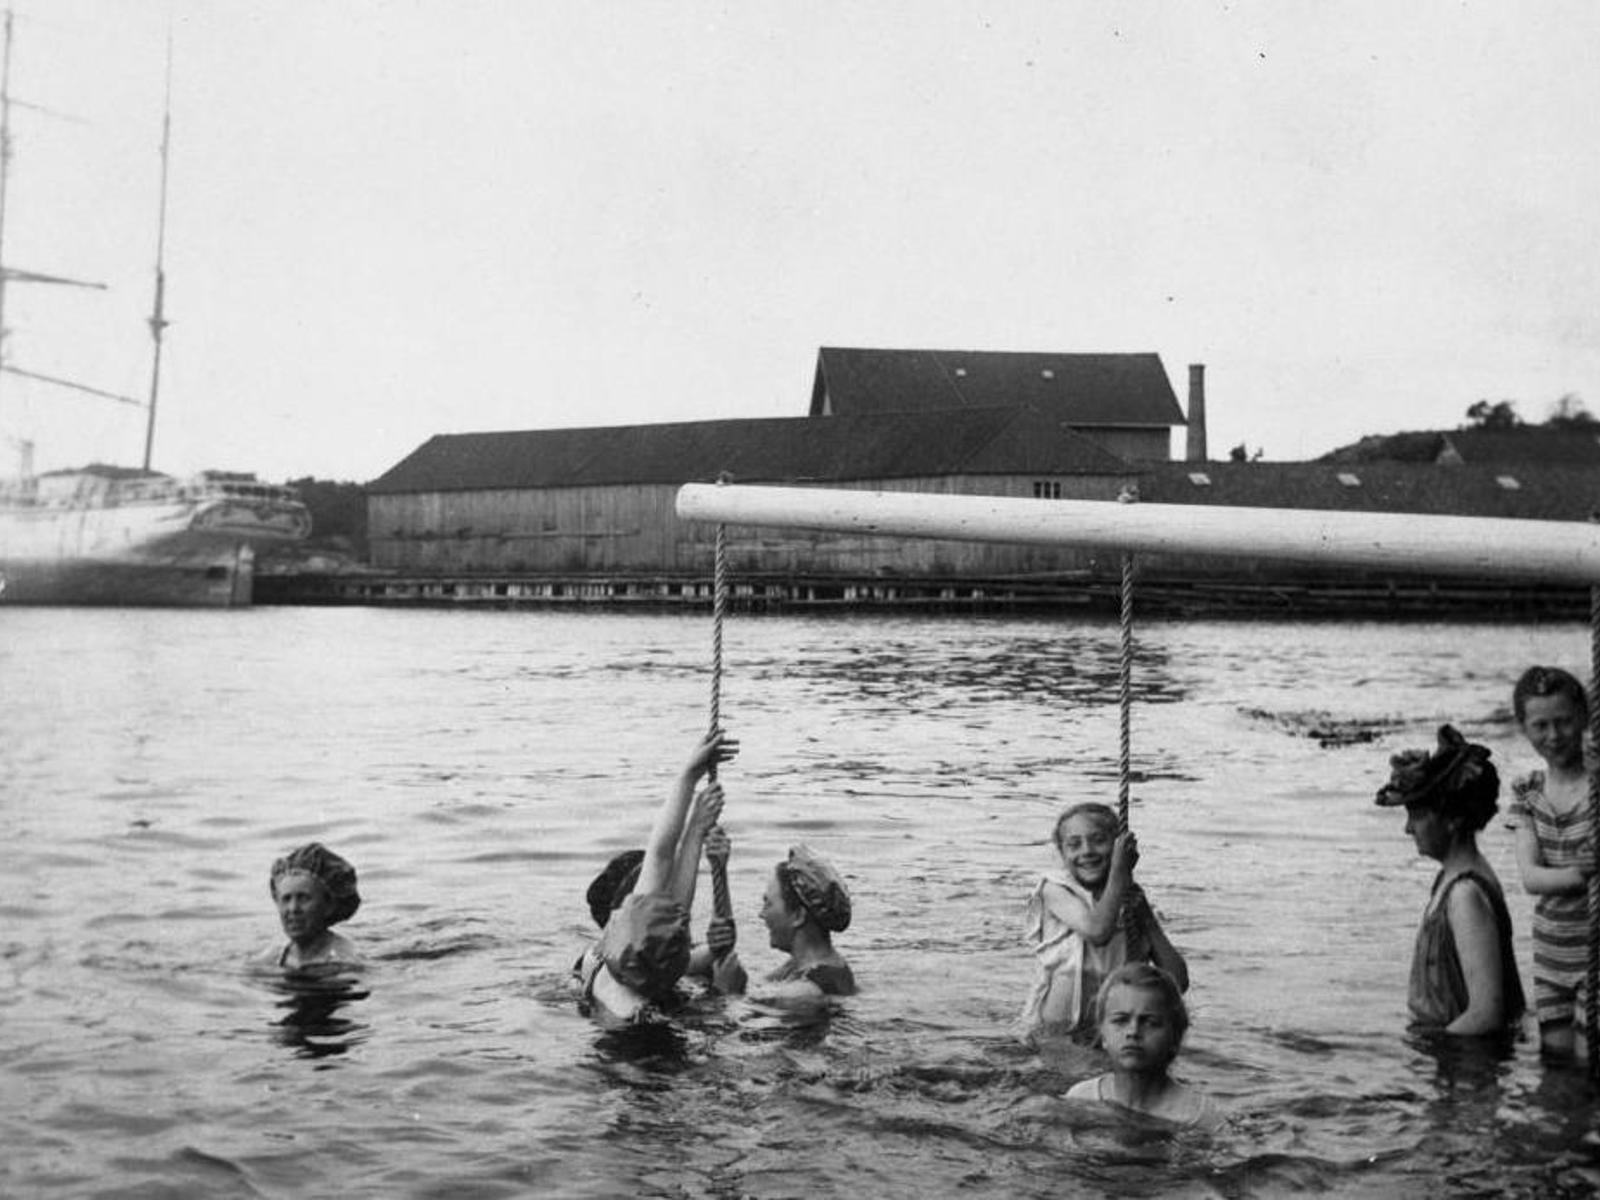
(632, 527)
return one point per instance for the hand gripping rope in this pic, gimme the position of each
(721, 902)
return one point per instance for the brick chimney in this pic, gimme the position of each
(1197, 413)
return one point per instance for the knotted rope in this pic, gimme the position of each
(721, 902)
(1125, 696)
(1591, 1020)
(1125, 703)
(1125, 682)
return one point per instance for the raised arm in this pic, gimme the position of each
(657, 871)
(1101, 922)
(686, 864)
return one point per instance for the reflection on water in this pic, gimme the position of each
(311, 1002)
(478, 768)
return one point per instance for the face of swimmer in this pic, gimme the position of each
(1138, 1029)
(304, 905)
(1553, 725)
(1086, 842)
(1429, 829)
(780, 919)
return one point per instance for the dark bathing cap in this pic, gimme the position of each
(1456, 779)
(606, 892)
(331, 871)
(822, 892)
(646, 943)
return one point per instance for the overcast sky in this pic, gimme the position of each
(390, 220)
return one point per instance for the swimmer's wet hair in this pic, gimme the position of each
(1150, 978)
(611, 887)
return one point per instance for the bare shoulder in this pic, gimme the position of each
(1085, 1089)
(1469, 909)
(1197, 1109)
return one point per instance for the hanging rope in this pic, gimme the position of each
(1125, 682)
(1591, 1025)
(1125, 696)
(721, 902)
(1125, 703)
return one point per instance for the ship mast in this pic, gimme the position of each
(158, 319)
(5, 171)
(9, 274)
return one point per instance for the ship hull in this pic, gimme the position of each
(194, 553)
(212, 583)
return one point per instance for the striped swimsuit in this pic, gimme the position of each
(1560, 922)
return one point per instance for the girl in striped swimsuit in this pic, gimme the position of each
(1555, 846)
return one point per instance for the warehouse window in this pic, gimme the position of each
(1047, 489)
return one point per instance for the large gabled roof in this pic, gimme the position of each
(1118, 390)
(770, 450)
(1561, 493)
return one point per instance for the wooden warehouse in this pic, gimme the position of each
(599, 501)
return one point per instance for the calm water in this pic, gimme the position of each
(478, 768)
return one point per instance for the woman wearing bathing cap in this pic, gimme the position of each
(1464, 977)
(806, 903)
(314, 889)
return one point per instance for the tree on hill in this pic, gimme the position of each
(338, 515)
(1502, 414)
(1570, 413)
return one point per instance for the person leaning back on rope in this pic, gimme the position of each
(643, 951)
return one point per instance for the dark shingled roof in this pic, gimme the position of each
(1548, 493)
(772, 450)
(1118, 390)
(1484, 447)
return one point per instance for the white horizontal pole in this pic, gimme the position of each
(1484, 547)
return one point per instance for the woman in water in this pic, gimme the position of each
(805, 904)
(1464, 977)
(314, 889)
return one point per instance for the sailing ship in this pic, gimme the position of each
(122, 535)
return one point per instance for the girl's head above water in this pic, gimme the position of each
(1091, 812)
(1141, 1001)
(1548, 681)
(1084, 837)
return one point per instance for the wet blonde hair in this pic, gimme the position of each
(1146, 977)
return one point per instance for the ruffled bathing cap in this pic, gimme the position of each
(333, 872)
(819, 887)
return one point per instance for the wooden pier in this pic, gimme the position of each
(1258, 594)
